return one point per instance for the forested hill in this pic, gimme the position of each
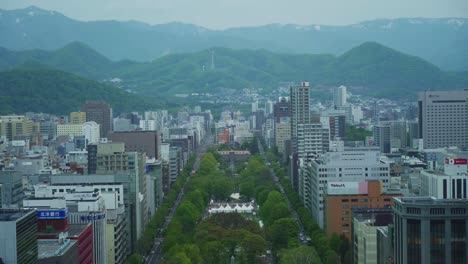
(54, 91)
(378, 70)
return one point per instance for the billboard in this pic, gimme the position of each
(456, 161)
(52, 214)
(338, 188)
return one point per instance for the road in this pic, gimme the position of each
(154, 257)
(301, 235)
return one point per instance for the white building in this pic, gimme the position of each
(448, 184)
(148, 125)
(91, 131)
(354, 164)
(339, 96)
(282, 133)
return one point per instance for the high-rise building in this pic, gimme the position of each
(382, 137)
(77, 118)
(18, 242)
(282, 109)
(282, 133)
(13, 127)
(350, 165)
(312, 138)
(339, 96)
(443, 118)
(148, 142)
(99, 112)
(300, 110)
(11, 190)
(430, 230)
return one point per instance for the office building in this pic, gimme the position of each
(443, 118)
(282, 134)
(350, 165)
(451, 183)
(15, 127)
(430, 230)
(70, 130)
(57, 251)
(148, 142)
(339, 96)
(77, 118)
(365, 225)
(342, 197)
(18, 242)
(11, 183)
(312, 138)
(101, 113)
(148, 125)
(382, 138)
(300, 113)
(282, 109)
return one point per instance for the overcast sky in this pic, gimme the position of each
(218, 14)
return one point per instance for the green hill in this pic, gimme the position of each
(379, 70)
(54, 91)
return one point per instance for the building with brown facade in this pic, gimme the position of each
(342, 197)
(148, 142)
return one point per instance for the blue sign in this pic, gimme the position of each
(52, 214)
(92, 217)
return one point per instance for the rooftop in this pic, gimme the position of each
(13, 214)
(47, 248)
(74, 230)
(430, 201)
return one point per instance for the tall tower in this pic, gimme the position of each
(212, 60)
(300, 113)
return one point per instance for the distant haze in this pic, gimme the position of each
(220, 14)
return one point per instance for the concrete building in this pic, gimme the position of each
(282, 109)
(448, 184)
(15, 127)
(148, 142)
(101, 113)
(312, 138)
(70, 130)
(122, 124)
(430, 230)
(18, 243)
(11, 187)
(443, 118)
(77, 118)
(339, 96)
(154, 184)
(57, 251)
(91, 132)
(282, 133)
(342, 197)
(382, 137)
(300, 113)
(365, 225)
(350, 165)
(148, 125)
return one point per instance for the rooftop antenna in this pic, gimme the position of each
(212, 60)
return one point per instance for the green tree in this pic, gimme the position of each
(299, 255)
(135, 258)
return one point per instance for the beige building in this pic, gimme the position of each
(282, 133)
(13, 126)
(70, 130)
(77, 118)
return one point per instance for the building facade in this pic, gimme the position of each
(430, 230)
(443, 118)
(101, 113)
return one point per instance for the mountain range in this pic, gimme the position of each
(443, 42)
(373, 68)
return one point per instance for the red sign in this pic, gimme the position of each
(456, 161)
